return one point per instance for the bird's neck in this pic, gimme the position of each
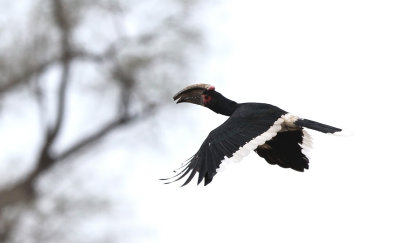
(224, 106)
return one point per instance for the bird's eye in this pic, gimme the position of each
(206, 99)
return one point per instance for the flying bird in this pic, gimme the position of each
(274, 134)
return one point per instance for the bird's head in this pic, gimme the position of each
(199, 94)
(205, 95)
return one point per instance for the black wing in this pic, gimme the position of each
(285, 150)
(242, 127)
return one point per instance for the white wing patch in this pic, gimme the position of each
(289, 121)
(306, 145)
(288, 125)
(253, 144)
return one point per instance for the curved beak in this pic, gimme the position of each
(192, 94)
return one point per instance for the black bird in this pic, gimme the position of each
(274, 134)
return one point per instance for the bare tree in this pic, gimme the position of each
(52, 41)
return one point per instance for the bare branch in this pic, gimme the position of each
(102, 132)
(23, 192)
(45, 159)
(26, 75)
(134, 64)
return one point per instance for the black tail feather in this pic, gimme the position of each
(317, 126)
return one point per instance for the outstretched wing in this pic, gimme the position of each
(243, 132)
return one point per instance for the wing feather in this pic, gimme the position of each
(233, 138)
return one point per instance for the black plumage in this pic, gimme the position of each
(271, 132)
(285, 150)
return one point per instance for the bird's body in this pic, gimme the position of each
(274, 134)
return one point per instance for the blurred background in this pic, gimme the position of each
(88, 124)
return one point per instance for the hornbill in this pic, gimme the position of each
(274, 134)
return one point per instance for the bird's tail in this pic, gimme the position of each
(316, 126)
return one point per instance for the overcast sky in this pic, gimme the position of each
(336, 62)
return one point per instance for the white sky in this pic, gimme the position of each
(332, 61)
(336, 62)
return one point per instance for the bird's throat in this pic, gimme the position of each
(224, 106)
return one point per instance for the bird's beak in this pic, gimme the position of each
(192, 94)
